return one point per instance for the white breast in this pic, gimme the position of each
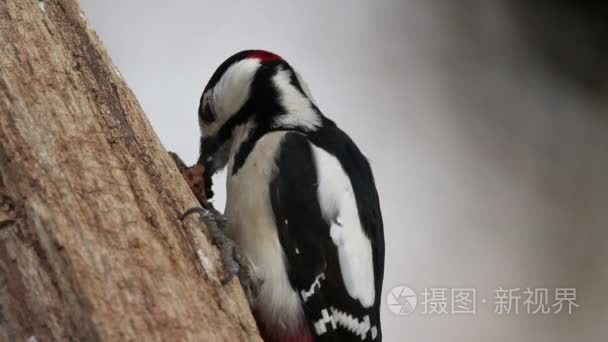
(251, 224)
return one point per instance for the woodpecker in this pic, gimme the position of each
(302, 206)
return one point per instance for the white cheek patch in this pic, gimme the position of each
(339, 208)
(232, 90)
(229, 94)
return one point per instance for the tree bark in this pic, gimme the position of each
(91, 244)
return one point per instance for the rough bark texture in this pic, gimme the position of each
(91, 245)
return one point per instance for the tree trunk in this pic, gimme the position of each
(91, 244)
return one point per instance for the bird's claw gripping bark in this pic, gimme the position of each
(234, 262)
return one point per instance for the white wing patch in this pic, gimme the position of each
(339, 207)
(344, 320)
(314, 288)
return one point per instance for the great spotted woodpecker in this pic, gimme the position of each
(302, 206)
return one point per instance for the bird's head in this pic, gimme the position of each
(252, 89)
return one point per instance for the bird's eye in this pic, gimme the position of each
(206, 111)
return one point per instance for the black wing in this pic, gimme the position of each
(312, 259)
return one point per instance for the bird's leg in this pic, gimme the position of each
(215, 223)
(234, 262)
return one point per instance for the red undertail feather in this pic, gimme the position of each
(301, 335)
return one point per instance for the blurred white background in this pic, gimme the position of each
(486, 126)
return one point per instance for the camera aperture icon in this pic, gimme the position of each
(401, 300)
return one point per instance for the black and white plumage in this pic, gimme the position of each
(301, 206)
